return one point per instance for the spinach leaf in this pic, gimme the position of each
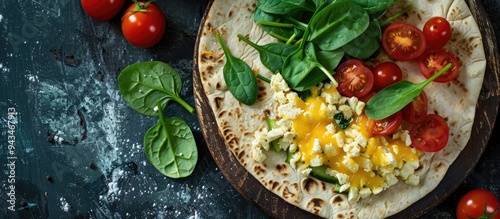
(363, 46)
(143, 84)
(341, 121)
(284, 6)
(330, 59)
(239, 78)
(301, 70)
(374, 6)
(272, 55)
(170, 146)
(273, 24)
(396, 96)
(337, 24)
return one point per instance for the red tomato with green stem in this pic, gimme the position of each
(416, 110)
(354, 78)
(143, 24)
(102, 10)
(437, 32)
(403, 42)
(478, 203)
(431, 135)
(434, 60)
(385, 74)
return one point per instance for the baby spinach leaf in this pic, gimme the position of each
(342, 19)
(284, 6)
(396, 96)
(363, 46)
(301, 70)
(272, 55)
(278, 27)
(143, 84)
(239, 78)
(170, 146)
(330, 59)
(372, 6)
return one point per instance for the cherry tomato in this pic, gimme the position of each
(403, 42)
(416, 110)
(102, 10)
(388, 125)
(431, 135)
(434, 60)
(143, 25)
(385, 74)
(478, 203)
(354, 78)
(437, 32)
(367, 97)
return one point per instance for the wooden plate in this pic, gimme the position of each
(273, 205)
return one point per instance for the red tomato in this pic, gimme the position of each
(403, 42)
(388, 125)
(354, 78)
(102, 10)
(367, 97)
(478, 203)
(416, 110)
(143, 27)
(385, 74)
(431, 135)
(437, 32)
(434, 60)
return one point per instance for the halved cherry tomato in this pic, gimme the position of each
(143, 24)
(403, 42)
(416, 110)
(431, 135)
(437, 32)
(388, 125)
(478, 203)
(354, 78)
(434, 60)
(385, 74)
(102, 10)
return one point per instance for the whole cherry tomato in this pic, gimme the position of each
(437, 32)
(102, 10)
(385, 74)
(478, 203)
(143, 24)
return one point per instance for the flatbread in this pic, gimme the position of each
(455, 101)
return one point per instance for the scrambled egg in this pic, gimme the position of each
(362, 163)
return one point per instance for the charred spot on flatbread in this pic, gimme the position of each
(309, 185)
(259, 170)
(316, 204)
(282, 169)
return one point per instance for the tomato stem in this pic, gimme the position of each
(139, 7)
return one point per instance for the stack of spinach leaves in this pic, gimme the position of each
(314, 36)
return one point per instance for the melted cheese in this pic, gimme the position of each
(379, 156)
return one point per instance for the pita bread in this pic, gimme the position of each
(237, 123)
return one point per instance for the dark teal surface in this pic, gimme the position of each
(78, 146)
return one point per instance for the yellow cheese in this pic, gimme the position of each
(380, 153)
